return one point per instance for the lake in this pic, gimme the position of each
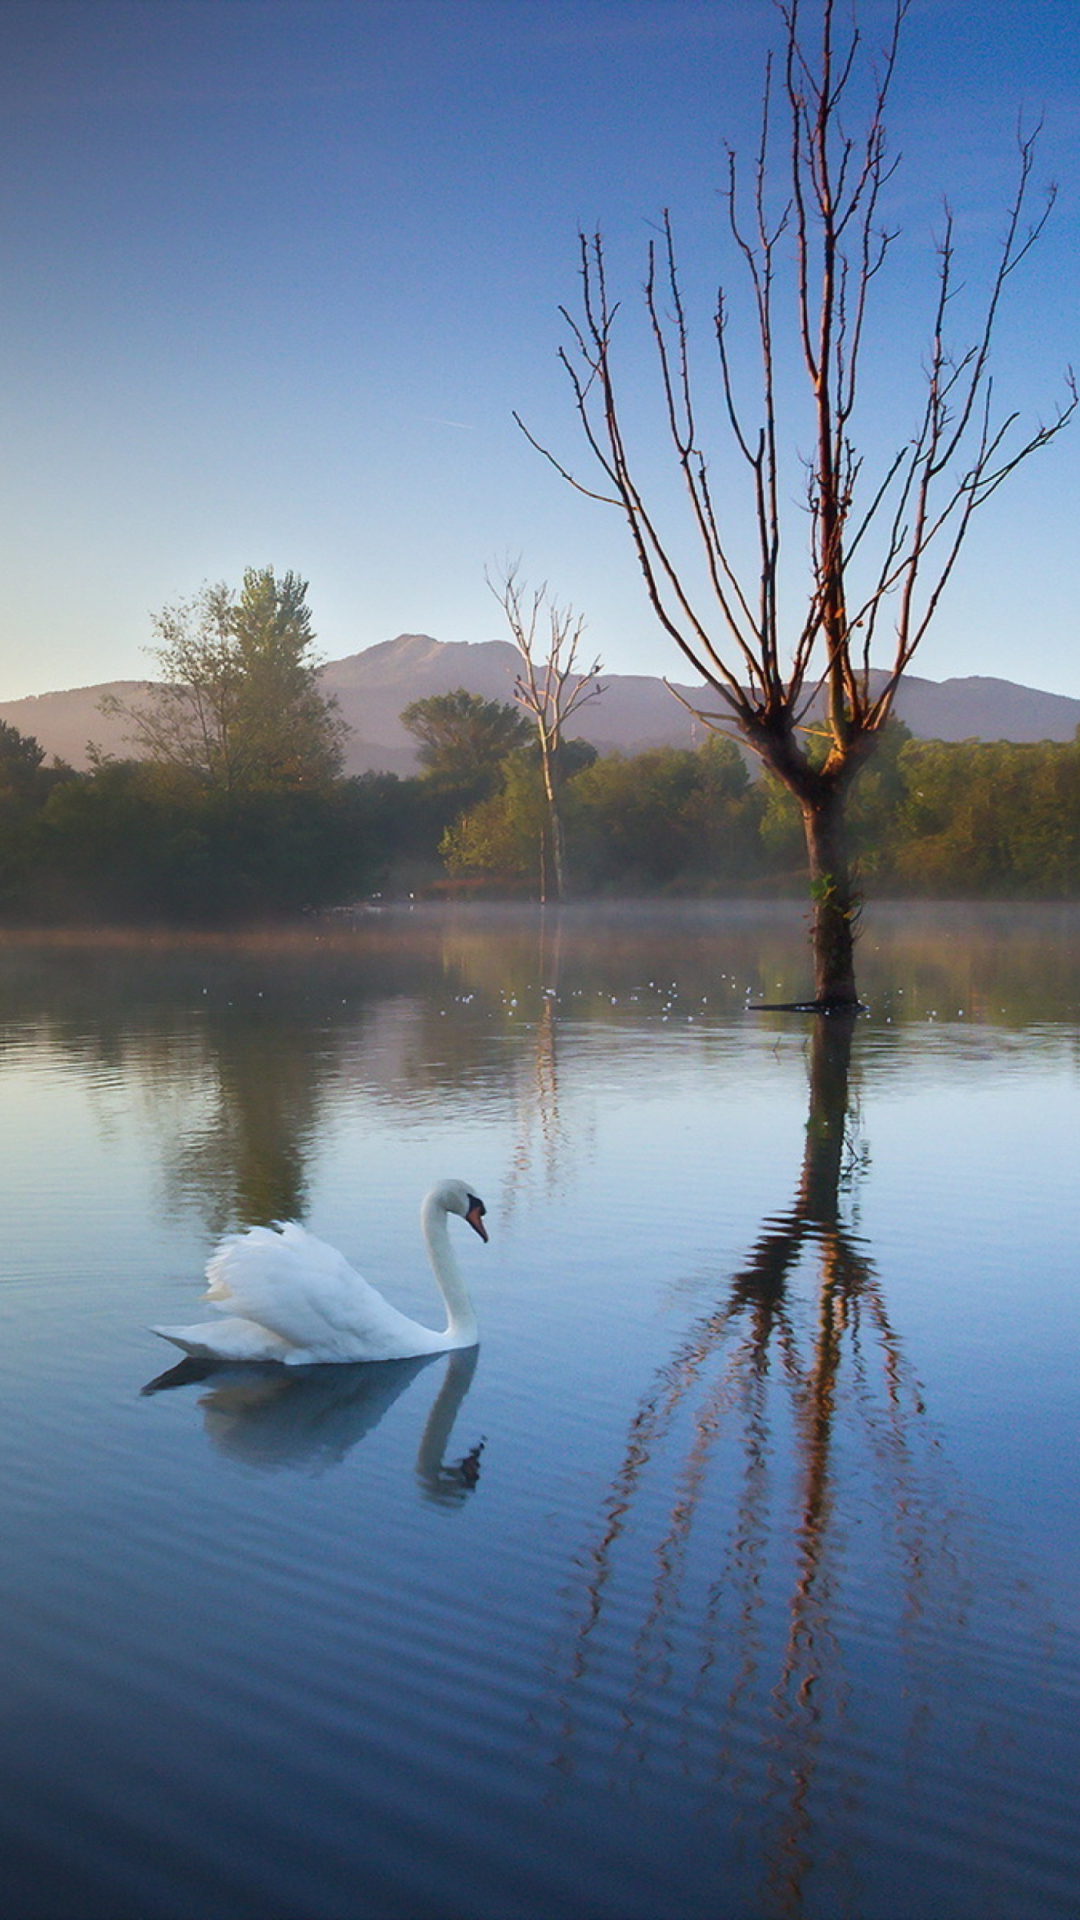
(735, 1574)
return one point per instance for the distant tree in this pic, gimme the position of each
(239, 705)
(20, 774)
(667, 817)
(633, 817)
(549, 688)
(984, 817)
(21, 758)
(294, 735)
(25, 785)
(135, 842)
(884, 538)
(504, 838)
(723, 816)
(463, 738)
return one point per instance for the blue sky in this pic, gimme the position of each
(278, 272)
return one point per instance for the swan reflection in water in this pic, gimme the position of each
(273, 1417)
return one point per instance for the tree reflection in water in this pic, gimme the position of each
(247, 1161)
(768, 1623)
(542, 1137)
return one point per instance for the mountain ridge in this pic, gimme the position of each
(635, 711)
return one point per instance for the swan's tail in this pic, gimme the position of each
(227, 1339)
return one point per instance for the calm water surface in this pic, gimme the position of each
(737, 1573)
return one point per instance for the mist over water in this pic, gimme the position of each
(734, 1573)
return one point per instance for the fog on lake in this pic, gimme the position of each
(735, 1572)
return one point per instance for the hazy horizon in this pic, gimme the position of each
(326, 663)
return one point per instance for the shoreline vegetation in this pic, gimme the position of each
(137, 843)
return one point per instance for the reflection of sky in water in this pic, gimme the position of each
(635, 1541)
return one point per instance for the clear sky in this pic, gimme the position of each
(277, 272)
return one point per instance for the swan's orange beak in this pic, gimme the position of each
(475, 1217)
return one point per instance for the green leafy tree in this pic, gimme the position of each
(668, 817)
(664, 818)
(25, 785)
(239, 704)
(990, 818)
(21, 760)
(135, 842)
(291, 734)
(505, 836)
(1046, 833)
(723, 816)
(631, 817)
(464, 738)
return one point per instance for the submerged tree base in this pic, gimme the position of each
(845, 1008)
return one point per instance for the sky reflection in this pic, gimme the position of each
(743, 1569)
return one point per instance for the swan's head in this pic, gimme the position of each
(457, 1197)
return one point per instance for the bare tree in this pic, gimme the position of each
(550, 687)
(882, 544)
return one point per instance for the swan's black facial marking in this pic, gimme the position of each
(475, 1216)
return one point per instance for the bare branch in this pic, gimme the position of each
(880, 545)
(549, 688)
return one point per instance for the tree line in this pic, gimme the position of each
(237, 808)
(957, 820)
(234, 803)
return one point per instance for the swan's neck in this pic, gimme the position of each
(461, 1328)
(430, 1463)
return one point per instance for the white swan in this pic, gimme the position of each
(287, 1296)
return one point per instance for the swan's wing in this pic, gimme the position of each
(287, 1280)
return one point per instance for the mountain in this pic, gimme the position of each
(635, 710)
(63, 723)
(371, 688)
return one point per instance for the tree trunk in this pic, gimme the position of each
(558, 843)
(836, 906)
(826, 1126)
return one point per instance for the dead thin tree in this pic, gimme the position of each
(549, 688)
(882, 544)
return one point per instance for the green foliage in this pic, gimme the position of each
(875, 802)
(783, 842)
(630, 817)
(504, 835)
(25, 785)
(21, 759)
(989, 817)
(154, 841)
(239, 705)
(965, 819)
(130, 842)
(666, 818)
(290, 735)
(571, 757)
(464, 738)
